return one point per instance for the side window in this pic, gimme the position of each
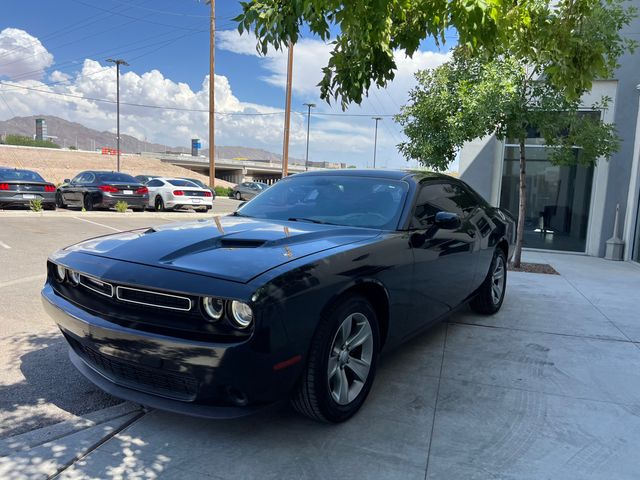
(82, 178)
(427, 205)
(154, 183)
(88, 178)
(441, 197)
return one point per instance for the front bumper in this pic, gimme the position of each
(214, 380)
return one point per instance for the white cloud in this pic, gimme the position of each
(22, 56)
(333, 138)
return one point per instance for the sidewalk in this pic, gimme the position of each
(547, 388)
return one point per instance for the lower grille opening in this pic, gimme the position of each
(171, 385)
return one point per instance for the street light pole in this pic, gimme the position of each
(118, 62)
(375, 140)
(309, 107)
(212, 96)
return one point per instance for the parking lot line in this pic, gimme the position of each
(99, 224)
(40, 276)
(4, 245)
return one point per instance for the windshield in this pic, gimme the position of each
(25, 175)
(340, 200)
(116, 177)
(182, 183)
(261, 186)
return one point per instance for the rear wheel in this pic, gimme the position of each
(342, 363)
(87, 203)
(491, 293)
(159, 204)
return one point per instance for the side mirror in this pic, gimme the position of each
(66, 180)
(447, 220)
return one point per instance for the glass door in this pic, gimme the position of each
(558, 199)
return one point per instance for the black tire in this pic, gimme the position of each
(238, 196)
(59, 201)
(485, 302)
(49, 206)
(137, 209)
(312, 396)
(87, 203)
(159, 204)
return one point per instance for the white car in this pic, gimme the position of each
(173, 193)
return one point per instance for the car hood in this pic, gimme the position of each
(231, 248)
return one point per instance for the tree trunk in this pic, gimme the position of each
(517, 255)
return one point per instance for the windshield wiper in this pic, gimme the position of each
(310, 220)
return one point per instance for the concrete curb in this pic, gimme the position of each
(45, 452)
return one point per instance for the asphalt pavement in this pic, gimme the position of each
(38, 384)
(548, 388)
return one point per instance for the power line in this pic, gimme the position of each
(183, 109)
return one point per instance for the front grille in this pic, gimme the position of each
(174, 385)
(153, 299)
(96, 285)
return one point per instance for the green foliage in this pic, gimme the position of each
(72, 147)
(29, 142)
(35, 205)
(223, 191)
(573, 40)
(468, 98)
(121, 206)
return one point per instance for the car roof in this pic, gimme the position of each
(416, 175)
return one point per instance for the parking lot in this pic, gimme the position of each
(547, 388)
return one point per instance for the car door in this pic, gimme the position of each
(154, 187)
(70, 192)
(444, 259)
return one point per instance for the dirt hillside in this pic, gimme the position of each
(56, 165)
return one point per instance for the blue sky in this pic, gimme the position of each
(62, 46)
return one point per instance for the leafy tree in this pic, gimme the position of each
(577, 40)
(468, 98)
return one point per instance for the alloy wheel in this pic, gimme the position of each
(350, 358)
(497, 280)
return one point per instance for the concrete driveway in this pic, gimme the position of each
(549, 388)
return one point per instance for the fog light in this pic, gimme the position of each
(74, 277)
(242, 314)
(214, 307)
(60, 273)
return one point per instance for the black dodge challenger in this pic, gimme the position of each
(293, 296)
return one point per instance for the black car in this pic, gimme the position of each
(202, 185)
(145, 178)
(96, 189)
(20, 187)
(293, 296)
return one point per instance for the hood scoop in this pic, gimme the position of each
(241, 243)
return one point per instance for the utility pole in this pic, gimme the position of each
(375, 140)
(309, 107)
(287, 114)
(212, 96)
(118, 62)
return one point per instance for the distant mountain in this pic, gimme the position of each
(68, 133)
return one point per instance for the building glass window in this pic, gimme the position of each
(558, 199)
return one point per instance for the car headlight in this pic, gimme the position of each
(214, 307)
(61, 272)
(242, 315)
(74, 277)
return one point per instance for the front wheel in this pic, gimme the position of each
(159, 204)
(238, 196)
(59, 200)
(342, 363)
(87, 203)
(491, 293)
